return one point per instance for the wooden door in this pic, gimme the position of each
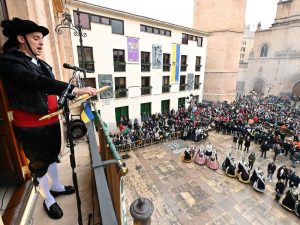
(13, 163)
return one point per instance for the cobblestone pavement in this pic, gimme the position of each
(189, 194)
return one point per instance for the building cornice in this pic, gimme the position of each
(93, 7)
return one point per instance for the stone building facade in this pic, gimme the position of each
(224, 19)
(274, 68)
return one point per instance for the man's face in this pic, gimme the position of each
(35, 40)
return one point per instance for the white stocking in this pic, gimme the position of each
(54, 178)
(45, 191)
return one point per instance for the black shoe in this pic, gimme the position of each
(54, 211)
(69, 190)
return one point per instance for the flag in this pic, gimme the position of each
(87, 114)
(175, 63)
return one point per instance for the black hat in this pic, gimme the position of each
(13, 28)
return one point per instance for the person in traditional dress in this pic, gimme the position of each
(231, 169)
(259, 184)
(254, 175)
(290, 199)
(240, 165)
(212, 161)
(200, 157)
(226, 162)
(279, 189)
(208, 151)
(244, 175)
(186, 156)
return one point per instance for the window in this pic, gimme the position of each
(117, 26)
(105, 20)
(146, 88)
(198, 63)
(120, 87)
(95, 19)
(264, 51)
(154, 30)
(182, 85)
(145, 109)
(199, 41)
(121, 112)
(183, 63)
(165, 106)
(142, 27)
(165, 84)
(119, 60)
(87, 57)
(84, 20)
(145, 61)
(184, 39)
(166, 62)
(197, 82)
(181, 102)
(243, 49)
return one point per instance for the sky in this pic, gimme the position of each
(263, 11)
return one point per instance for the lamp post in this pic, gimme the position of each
(67, 23)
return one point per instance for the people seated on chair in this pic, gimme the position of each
(226, 162)
(259, 184)
(244, 174)
(231, 169)
(200, 157)
(297, 206)
(290, 199)
(192, 151)
(212, 161)
(254, 175)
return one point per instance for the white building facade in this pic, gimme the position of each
(151, 66)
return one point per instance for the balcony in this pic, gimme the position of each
(119, 66)
(183, 67)
(166, 67)
(145, 67)
(89, 66)
(146, 90)
(121, 93)
(198, 67)
(166, 88)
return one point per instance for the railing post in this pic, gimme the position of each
(141, 210)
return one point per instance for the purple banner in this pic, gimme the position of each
(133, 49)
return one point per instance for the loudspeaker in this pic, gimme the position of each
(78, 128)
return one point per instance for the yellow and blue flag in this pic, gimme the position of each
(175, 63)
(87, 114)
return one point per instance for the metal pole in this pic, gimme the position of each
(81, 44)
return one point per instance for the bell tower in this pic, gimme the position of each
(224, 19)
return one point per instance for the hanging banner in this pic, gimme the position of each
(190, 81)
(133, 49)
(156, 56)
(106, 80)
(175, 63)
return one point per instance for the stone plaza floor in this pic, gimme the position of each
(190, 194)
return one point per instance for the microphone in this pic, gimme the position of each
(68, 66)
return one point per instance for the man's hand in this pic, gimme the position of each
(85, 90)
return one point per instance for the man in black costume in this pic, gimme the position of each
(32, 93)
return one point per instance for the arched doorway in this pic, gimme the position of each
(296, 89)
(259, 86)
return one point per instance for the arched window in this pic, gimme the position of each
(264, 51)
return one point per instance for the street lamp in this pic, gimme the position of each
(67, 23)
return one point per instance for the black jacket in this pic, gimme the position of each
(27, 85)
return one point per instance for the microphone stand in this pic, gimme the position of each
(63, 103)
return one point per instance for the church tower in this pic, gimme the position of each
(224, 19)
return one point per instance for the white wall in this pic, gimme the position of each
(102, 40)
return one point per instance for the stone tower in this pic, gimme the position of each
(224, 19)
